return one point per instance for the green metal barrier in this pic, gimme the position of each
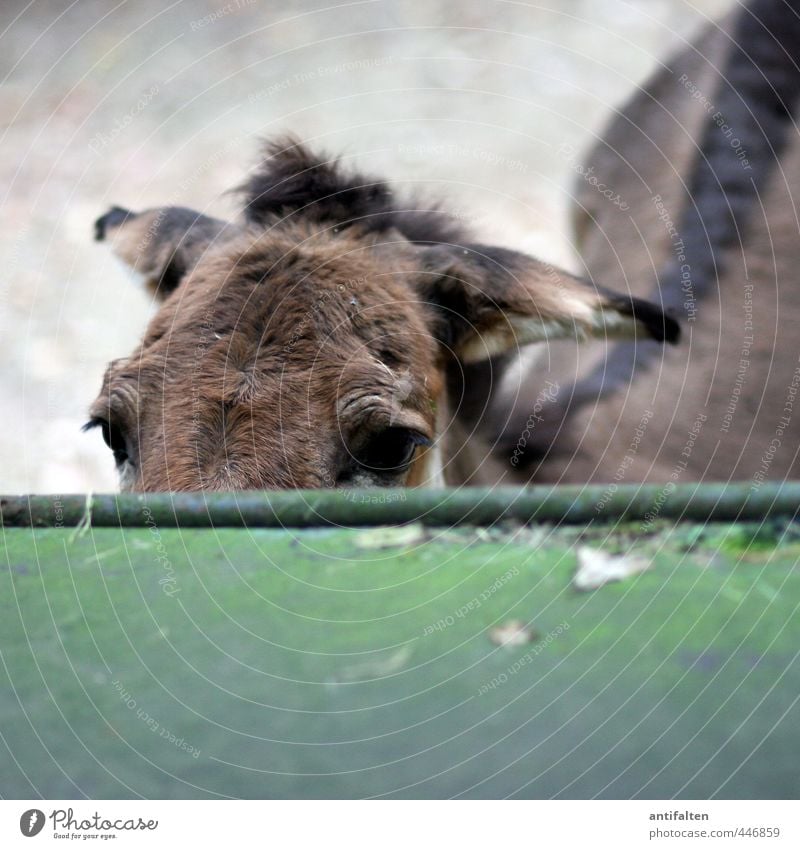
(217, 658)
(312, 508)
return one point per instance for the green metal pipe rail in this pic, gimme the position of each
(352, 508)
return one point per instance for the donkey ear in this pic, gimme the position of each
(490, 300)
(162, 244)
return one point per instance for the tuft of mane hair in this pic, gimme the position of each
(292, 181)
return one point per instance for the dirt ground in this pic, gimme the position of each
(145, 103)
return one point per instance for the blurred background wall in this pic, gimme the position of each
(145, 103)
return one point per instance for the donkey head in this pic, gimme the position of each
(310, 343)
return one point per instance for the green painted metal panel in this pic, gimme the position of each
(166, 662)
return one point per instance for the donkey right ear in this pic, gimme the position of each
(492, 300)
(163, 244)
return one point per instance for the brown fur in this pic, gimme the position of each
(656, 147)
(322, 329)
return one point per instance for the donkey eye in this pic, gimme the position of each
(392, 449)
(113, 437)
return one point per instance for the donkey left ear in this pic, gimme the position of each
(162, 244)
(491, 300)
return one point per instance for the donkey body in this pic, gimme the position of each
(705, 159)
(330, 337)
